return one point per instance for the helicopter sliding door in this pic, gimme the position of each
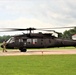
(22, 42)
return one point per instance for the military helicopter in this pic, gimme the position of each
(36, 40)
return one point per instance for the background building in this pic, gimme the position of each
(74, 37)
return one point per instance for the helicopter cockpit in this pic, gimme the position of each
(11, 40)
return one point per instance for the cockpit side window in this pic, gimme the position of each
(11, 40)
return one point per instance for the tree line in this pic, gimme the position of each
(65, 35)
(5, 37)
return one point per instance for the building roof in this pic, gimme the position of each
(74, 35)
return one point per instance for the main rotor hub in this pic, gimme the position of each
(30, 29)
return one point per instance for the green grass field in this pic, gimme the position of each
(38, 65)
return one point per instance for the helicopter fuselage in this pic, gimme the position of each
(37, 41)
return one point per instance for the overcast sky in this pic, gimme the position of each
(37, 13)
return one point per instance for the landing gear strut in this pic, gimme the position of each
(23, 49)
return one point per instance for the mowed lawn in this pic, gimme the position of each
(38, 65)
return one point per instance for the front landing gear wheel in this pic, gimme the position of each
(23, 49)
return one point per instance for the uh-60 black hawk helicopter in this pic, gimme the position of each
(36, 40)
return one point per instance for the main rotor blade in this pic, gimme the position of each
(57, 28)
(16, 29)
(30, 29)
(9, 29)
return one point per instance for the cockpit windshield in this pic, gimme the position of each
(11, 40)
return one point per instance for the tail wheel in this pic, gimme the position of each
(23, 49)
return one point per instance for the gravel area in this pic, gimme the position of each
(37, 52)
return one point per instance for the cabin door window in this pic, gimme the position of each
(34, 41)
(29, 41)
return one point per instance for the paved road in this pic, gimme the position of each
(37, 52)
